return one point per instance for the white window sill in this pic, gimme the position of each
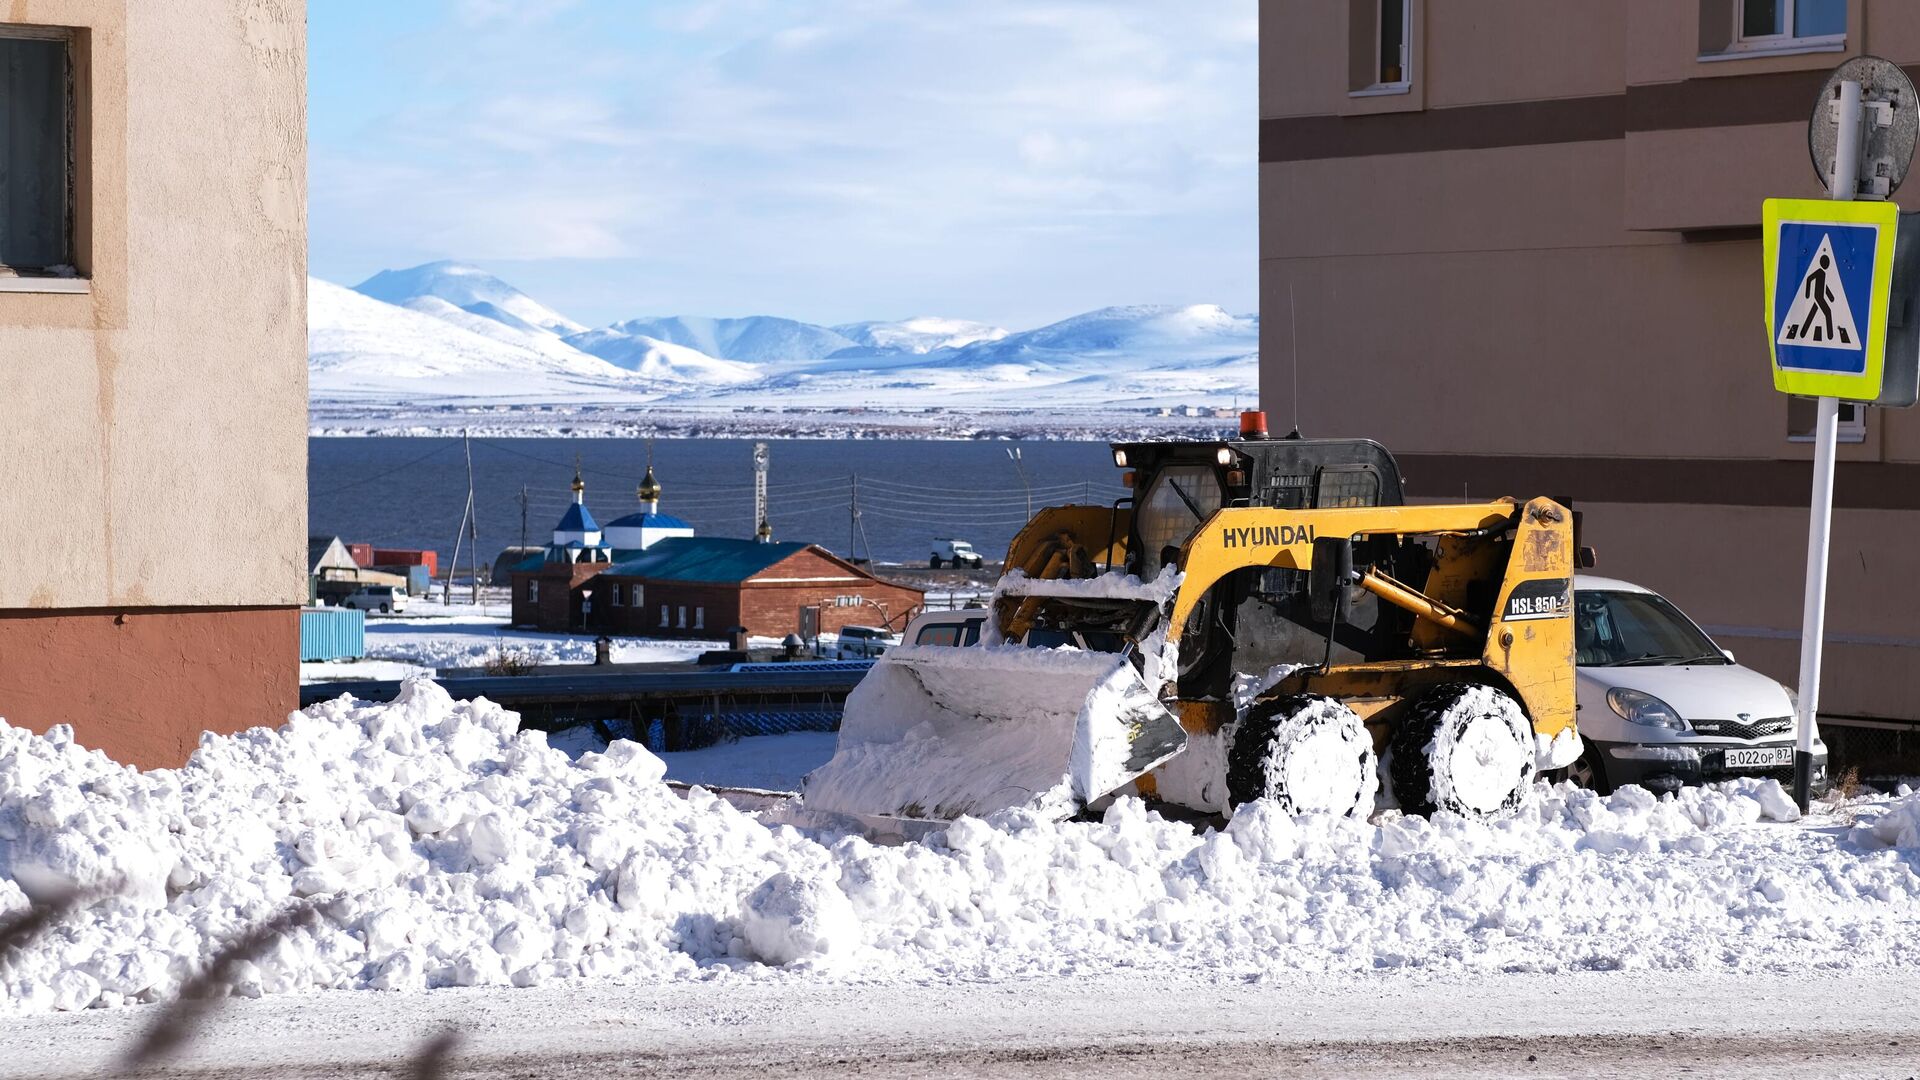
(1792, 48)
(1383, 90)
(1857, 435)
(45, 285)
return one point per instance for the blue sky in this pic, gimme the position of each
(1014, 161)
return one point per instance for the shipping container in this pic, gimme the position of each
(408, 557)
(362, 554)
(332, 634)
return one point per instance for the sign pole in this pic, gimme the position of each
(1826, 438)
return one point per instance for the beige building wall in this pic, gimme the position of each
(153, 426)
(1538, 272)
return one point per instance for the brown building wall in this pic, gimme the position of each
(1538, 273)
(141, 685)
(559, 604)
(153, 410)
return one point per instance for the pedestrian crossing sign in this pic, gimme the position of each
(1829, 273)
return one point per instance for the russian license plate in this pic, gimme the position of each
(1764, 757)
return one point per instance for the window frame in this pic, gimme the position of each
(533, 590)
(1784, 44)
(1380, 87)
(46, 278)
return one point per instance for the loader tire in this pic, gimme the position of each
(1305, 752)
(1464, 748)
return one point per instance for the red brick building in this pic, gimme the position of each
(700, 587)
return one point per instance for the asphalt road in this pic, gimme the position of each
(1141, 1025)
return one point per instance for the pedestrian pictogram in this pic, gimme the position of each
(1820, 316)
(1829, 267)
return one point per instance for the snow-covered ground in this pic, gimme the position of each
(766, 762)
(470, 640)
(1152, 1025)
(451, 849)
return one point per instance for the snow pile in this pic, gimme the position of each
(790, 917)
(455, 850)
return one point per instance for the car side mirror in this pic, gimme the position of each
(1329, 577)
(1728, 653)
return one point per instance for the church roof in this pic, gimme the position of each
(643, 520)
(703, 558)
(577, 519)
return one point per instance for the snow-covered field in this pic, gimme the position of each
(450, 849)
(468, 640)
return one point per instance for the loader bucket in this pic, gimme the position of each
(934, 733)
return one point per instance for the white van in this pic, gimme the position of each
(388, 598)
(863, 643)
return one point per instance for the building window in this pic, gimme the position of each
(615, 598)
(1746, 27)
(683, 617)
(36, 146)
(1380, 54)
(699, 618)
(1803, 416)
(533, 591)
(664, 623)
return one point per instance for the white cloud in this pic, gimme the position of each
(809, 149)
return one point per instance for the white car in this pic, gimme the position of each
(863, 643)
(955, 553)
(386, 598)
(1660, 705)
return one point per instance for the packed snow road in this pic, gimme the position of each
(1589, 1024)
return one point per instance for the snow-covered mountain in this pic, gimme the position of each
(652, 358)
(756, 339)
(469, 288)
(359, 347)
(920, 334)
(448, 330)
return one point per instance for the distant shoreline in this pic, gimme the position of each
(545, 420)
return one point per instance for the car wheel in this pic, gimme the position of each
(934, 563)
(1306, 753)
(1466, 748)
(1590, 771)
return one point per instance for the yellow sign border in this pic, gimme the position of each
(1885, 216)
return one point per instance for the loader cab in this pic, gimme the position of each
(1257, 618)
(1178, 485)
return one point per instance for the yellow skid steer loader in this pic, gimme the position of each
(1260, 618)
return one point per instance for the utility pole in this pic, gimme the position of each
(523, 518)
(473, 523)
(763, 527)
(1013, 454)
(853, 514)
(459, 534)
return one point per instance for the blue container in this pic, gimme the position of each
(332, 634)
(418, 581)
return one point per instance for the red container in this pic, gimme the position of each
(408, 557)
(362, 554)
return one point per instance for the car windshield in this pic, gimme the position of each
(1624, 629)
